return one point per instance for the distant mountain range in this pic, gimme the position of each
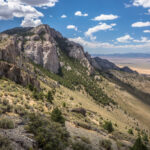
(126, 55)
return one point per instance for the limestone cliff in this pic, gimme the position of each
(42, 45)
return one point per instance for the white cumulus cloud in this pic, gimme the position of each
(91, 44)
(146, 31)
(25, 9)
(63, 16)
(79, 13)
(38, 3)
(10, 9)
(72, 27)
(141, 24)
(143, 3)
(30, 22)
(101, 26)
(124, 39)
(142, 40)
(105, 45)
(105, 17)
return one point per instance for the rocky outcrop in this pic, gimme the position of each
(41, 48)
(80, 111)
(15, 74)
(93, 62)
(105, 65)
(37, 44)
(76, 51)
(127, 69)
(8, 48)
(12, 60)
(73, 50)
(101, 64)
(41, 45)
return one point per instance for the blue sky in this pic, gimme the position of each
(101, 26)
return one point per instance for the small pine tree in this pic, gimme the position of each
(138, 145)
(130, 131)
(108, 126)
(30, 87)
(145, 137)
(38, 95)
(50, 96)
(56, 116)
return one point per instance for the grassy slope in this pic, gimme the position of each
(129, 103)
(117, 114)
(76, 78)
(69, 97)
(95, 113)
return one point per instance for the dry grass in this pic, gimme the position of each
(121, 116)
(138, 111)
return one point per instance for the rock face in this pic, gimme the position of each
(42, 49)
(8, 49)
(74, 50)
(17, 75)
(11, 62)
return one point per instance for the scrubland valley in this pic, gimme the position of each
(140, 64)
(54, 96)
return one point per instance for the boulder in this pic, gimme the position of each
(80, 111)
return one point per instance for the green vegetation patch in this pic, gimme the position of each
(139, 145)
(56, 116)
(48, 134)
(81, 146)
(6, 123)
(130, 131)
(108, 126)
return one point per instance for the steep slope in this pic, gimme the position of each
(41, 45)
(54, 96)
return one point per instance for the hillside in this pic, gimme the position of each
(54, 96)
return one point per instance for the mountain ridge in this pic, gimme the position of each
(72, 49)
